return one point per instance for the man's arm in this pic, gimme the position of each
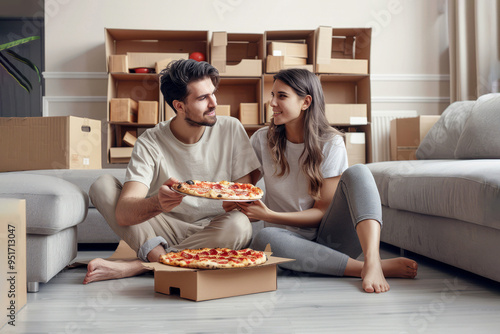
(134, 208)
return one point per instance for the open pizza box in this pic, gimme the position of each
(206, 284)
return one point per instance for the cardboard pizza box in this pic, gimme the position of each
(206, 284)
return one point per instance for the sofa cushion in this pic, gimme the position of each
(52, 204)
(479, 139)
(441, 140)
(467, 190)
(83, 178)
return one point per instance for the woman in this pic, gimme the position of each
(324, 214)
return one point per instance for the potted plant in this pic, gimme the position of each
(5, 52)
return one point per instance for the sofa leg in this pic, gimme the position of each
(33, 286)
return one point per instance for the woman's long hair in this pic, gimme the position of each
(317, 130)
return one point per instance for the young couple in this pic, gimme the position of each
(316, 210)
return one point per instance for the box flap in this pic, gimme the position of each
(324, 45)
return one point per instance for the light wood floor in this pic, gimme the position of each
(440, 300)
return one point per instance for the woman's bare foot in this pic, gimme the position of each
(373, 277)
(100, 270)
(400, 267)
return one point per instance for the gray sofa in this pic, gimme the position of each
(446, 204)
(59, 215)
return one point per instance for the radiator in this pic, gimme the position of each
(381, 128)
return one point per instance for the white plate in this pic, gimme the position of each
(215, 199)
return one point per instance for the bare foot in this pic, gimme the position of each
(100, 270)
(373, 277)
(401, 267)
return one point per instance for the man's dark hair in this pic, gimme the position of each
(179, 73)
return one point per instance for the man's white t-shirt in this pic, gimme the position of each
(290, 193)
(223, 153)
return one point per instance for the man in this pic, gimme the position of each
(195, 144)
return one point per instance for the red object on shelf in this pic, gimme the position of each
(198, 56)
(143, 70)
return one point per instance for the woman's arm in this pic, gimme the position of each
(307, 218)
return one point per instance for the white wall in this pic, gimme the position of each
(409, 57)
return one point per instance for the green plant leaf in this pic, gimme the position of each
(18, 42)
(25, 61)
(15, 73)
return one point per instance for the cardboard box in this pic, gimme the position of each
(149, 59)
(118, 63)
(123, 41)
(223, 110)
(147, 112)
(343, 51)
(351, 66)
(206, 284)
(249, 113)
(268, 111)
(406, 135)
(352, 114)
(119, 155)
(123, 110)
(130, 138)
(237, 55)
(356, 147)
(161, 65)
(32, 143)
(169, 112)
(288, 49)
(12, 259)
(276, 63)
(290, 43)
(233, 91)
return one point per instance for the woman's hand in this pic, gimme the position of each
(167, 198)
(255, 210)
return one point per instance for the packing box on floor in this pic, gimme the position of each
(406, 135)
(68, 142)
(12, 259)
(206, 284)
(343, 51)
(237, 55)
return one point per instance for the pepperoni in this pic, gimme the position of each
(234, 186)
(196, 257)
(248, 253)
(186, 255)
(204, 253)
(233, 253)
(224, 253)
(213, 252)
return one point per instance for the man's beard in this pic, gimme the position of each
(201, 123)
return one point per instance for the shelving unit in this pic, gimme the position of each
(339, 57)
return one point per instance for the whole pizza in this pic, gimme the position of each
(223, 190)
(214, 258)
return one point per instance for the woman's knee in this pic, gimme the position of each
(268, 235)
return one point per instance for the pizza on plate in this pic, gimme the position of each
(214, 258)
(223, 190)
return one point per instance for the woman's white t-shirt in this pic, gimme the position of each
(290, 193)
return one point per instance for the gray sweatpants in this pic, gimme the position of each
(356, 199)
(231, 229)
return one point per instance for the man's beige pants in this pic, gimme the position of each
(231, 230)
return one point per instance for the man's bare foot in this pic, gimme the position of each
(100, 270)
(400, 267)
(373, 277)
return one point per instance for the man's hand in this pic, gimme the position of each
(167, 198)
(229, 206)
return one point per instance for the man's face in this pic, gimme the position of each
(199, 106)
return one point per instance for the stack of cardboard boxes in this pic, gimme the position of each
(246, 63)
